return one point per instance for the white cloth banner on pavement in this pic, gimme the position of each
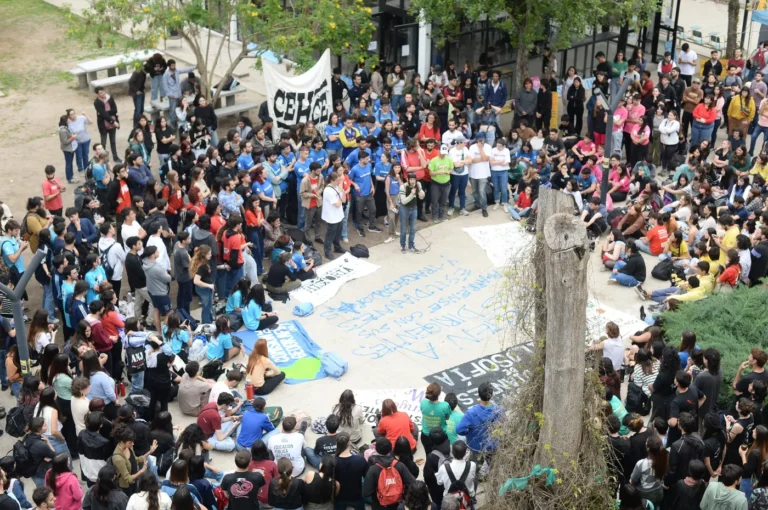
(330, 277)
(299, 99)
(598, 315)
(408, 400)
(501, 242)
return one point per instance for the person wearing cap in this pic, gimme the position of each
(158, 280)
(459, 176)
(440, 171)
(410, 193)
(479, 172)
(692, 96)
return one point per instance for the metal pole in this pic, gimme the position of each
(744, 25)
(15, 295)
(674, 32)
(609, 134)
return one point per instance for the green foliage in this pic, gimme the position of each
(732, 323)
(298, 29)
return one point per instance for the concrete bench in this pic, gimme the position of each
(82, 76)
(235, 109)
(110, 81)
(228, 95)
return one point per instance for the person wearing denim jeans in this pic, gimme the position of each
(220, 430)
(409, 193)
(203, 279)
(479, 172)
(631, 271)
(78, 125)
(440, 171)
(459, 176)
(136, 86)
(500, 160)
(760, 128)
(68, 146)
(487, 118)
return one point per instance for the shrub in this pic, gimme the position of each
(732, 323)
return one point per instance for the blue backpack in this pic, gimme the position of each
(333, 365)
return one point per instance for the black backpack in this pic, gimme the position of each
(15, 422)
(25, 466)
(104, 256)
(458, 488)
(359, 251)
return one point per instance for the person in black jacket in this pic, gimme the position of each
(630, 272)
(681, 453)
(275, 280)
(689, 491)
(759, 255)
(206, 113)
(107, 120)
(93, 447)
(576, 97)
(619, 450)
(137, 280)
(543, 107)
(440, 453)
(384, 460)
(40, 449)
(155, 67)
(136, 85)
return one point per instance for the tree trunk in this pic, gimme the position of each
(521, 67)
(550, 202)
(566, 257)
(734, 8)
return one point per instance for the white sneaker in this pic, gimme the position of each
(449, 212)
(464, 212)
(397, 233)
(388, 240)
(345, 240)
(496, 207)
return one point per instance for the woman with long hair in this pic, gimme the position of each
(102, 385)
(254, 230)
(263, 373)
(687, 346)
(613, 249)
(49, 352)
(157, 377)
(394, 423)
(105, 493)
(649, 472)
(637, 441)
(741, 111)
(68, 144)
(663, 388)
(29, 395)
(40, 332)
(714, 444)
(13, 370)
(12, 484)
(286, 492)
(60, 379)
(173, 193)
(753, 457)
(184, 499)
(148, 495)
(49, 411)
(704, 115)
(203, 279)
(350, 416)
(257, 313)
(161, 430)
(732, 273)
(576, 98)
(417, 497)
(351, 469)
(113, 324)
(321, 486)
(64, 484)
(261, 462)
(222, 345)
(403, 453)
(127, 418)
(196, 471)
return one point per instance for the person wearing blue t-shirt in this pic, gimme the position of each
(303, 270)
(255, 425)
(100, 171)
(332, 130)
(222, 345)
(286, 157)
(587, 183)
(300, 169)
(385, 113)
(387, 148)
(178, 335)
(262, 188)
(245, 160)
(317, 154)
(354, 157)
(12, 248)
(360, 175)
(258, 314)
(95, 277)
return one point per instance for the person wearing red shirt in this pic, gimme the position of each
(431, 152)
(52, 190)
(656, 239)
(118, 192)
(254, 230)
(213, 209)
(194, 201)
(732, 272)
(394, 423)
(219, 430)
(430, 129)
(233, 243)
(647, 85)
(453, 93)
(414, 161)
(704, 115)
(173, 193)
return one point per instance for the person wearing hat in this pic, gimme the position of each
(692, 96)
(440, 170)
(459, 175)
(479, 172)
(158, 280)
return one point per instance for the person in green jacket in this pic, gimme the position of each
(725, 494)
(433, 414)
(123, 459)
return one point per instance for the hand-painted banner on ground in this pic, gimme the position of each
(291, 349)
(408, 400)
(505, 371)
(299, 99)
(502, 242)
(598, 315)
(330, 278)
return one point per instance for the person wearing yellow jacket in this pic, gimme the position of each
(691, 290)
(348, 137)
(741, 111)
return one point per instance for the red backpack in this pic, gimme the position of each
(390, 489)
(222, 500)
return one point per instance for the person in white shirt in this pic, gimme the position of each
(458, 465)
(115, 255)
(453, 134)
(687, 63)
(479, 172)
(459, 153)
(131, 227)
(156, 239)
(500, 159)
(289, 444)
(333, 214)
(227, 386)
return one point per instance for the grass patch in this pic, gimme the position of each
(13, 9)
(732, 323)
(11, 81)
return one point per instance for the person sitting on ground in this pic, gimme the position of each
(247, 484)
(263, 373)
(194, 391)
(255, 425)
(281, 277)
(217, 427)
(222, 345)
(233, 379)
(287, 491)
(629, 272)
(304, 270)
(385, 459)
(290, 444)
(325, 445)
(179, 477)
(257, 313)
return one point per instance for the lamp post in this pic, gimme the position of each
(609, 128)
(15, 296)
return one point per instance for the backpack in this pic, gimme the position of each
(198, 348)
(458, 488)
(333, 364)
(663, 270)
(359, 251)
(222, 500)
(390, 486)
(137, 359)
(213, 370)
(25, 467)
(15, 422)
(24, 234)
(637, 401)
(104, 255)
